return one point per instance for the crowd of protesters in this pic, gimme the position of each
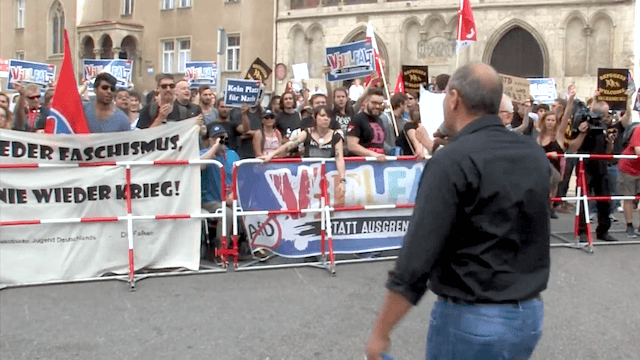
(352, 121)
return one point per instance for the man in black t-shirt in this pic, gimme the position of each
(234, 129)
(365, 134)
(252, 117)
(342, 110)
(288, 119)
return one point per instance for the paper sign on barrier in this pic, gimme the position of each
(67, 251)
(297, 186)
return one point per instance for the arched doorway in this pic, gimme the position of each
(128, 48)
(106, 50)
(360, 34)
(87, 48)
(518, 53)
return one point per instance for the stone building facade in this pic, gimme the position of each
(564, 39)
(159, 35)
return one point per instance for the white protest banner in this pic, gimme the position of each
(516, 88)
(67, 251)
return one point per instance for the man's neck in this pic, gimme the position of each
(100, 106)
(206, 107)
(223, 119)
(185, 103)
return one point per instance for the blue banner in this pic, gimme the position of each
(238, 92)
(28, 72)
(201, 73)
(297, 186)
(350, 61)
(119, 68)
(543, 90)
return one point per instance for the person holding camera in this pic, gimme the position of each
(218, 141)
(591, 137)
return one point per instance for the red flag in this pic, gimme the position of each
(371, 38)
(399, 84)
(66, 115)
(466, 25)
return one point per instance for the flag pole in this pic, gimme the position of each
(458, 36)
(386, 89)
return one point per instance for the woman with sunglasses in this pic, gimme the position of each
(268, 139)
(319, 141)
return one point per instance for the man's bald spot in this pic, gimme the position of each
(480, 88)
(487, 76)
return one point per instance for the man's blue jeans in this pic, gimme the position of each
(484, 331)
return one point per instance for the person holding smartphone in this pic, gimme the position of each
(217, 142)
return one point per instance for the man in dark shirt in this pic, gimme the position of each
(479, 234)
(365, 134)
(288, 119)
(174, 106)
(252, 118)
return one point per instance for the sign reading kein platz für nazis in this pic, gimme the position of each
(516, 88)
(201, 73)
(238, 92)
(612, 85)
(350, 61)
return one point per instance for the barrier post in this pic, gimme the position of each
(132, 281)
(585, 198)
(234, 209)
(326, 219)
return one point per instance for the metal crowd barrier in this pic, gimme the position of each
(327, 259)
(582, 198)
(129, 218)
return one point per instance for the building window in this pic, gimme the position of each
(57, 28)
(19, 55)
(184, 54)
(167, 56)
(233, 52)
(184, 3)
(20, 14)
(168, 4)
(127, 7)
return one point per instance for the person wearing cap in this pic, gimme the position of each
(268, 138)
(217, 141)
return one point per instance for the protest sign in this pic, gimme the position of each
(543, 90)
(350, 61)
(413, 76)
(431, 111)
(201, 73)
(300, 71)
(297, 186)
(238, 92)
(613, 86)
(44, 252)
(119, 68)
(30, 72)
(4, 68)
(516, 88)
(259, 70)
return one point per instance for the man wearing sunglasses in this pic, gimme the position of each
(28, 108)
(102, 115)
(174, 104)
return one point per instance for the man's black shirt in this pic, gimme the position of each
(480, 228)
(180, 112)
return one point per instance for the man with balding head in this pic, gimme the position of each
(479, 234)
(506, 111)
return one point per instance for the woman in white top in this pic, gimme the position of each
(268, 139)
